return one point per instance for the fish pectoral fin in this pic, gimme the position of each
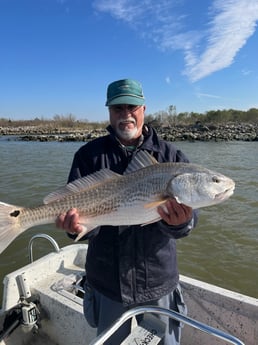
(84, 232)
(81, 234)
(177, 199)
(156, 203)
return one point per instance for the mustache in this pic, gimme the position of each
(129, 119)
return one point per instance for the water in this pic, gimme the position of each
(222, 250)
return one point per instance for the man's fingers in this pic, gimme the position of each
(69, 221)
(174, 213)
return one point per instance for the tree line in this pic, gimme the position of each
(168, 117)
(171, 117)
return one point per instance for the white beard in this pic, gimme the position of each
(126, 134)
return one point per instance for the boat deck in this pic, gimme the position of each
(49, 282)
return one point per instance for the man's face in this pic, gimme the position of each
(127, 120)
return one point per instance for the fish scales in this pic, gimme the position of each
(106, 198)
(123, 192)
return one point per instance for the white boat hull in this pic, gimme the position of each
(62, 320)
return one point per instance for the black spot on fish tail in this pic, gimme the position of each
(15, 213)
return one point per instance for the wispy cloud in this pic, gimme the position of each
(229, 25)
(232, 24)
(168, 80)
(246, 72)
(125, 10)
(155, 20)
(207, 95)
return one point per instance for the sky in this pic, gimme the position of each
(57, 57)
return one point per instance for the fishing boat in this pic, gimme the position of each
(43, 304)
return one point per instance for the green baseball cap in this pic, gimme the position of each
(125, 91)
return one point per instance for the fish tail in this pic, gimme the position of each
(10, 226)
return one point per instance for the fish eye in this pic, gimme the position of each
(215, 179)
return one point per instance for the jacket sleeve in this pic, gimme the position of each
(181, 230)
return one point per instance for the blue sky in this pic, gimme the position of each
(58, 56)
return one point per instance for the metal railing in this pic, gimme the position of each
(145, 309)
(171, 314)
(45, 236)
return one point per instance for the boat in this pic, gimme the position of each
(43, 304)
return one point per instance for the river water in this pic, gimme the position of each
(222, 249)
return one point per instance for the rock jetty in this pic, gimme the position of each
(199, 132)
(196, 132)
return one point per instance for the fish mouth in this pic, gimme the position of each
(225, 194)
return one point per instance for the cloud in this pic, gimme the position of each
(232, 24)
(154, 18)
(229, 24)
(168, 80)
(206, 95)
(125, 10)
(246, 72)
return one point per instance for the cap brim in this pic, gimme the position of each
(126, 100)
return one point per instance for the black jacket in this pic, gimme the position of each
(138, 264)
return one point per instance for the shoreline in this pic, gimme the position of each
(197, 132)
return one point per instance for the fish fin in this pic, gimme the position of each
(141, 160)
(9, 224)
(85, 230)
(177, 199)
(156, 203)
(80, 185)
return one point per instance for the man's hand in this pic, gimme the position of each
(70, 222)
(174, 213)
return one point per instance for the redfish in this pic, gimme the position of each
(107, 198)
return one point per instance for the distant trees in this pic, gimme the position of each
(170, 116)
(66, 120)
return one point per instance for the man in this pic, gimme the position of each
(134, 265)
